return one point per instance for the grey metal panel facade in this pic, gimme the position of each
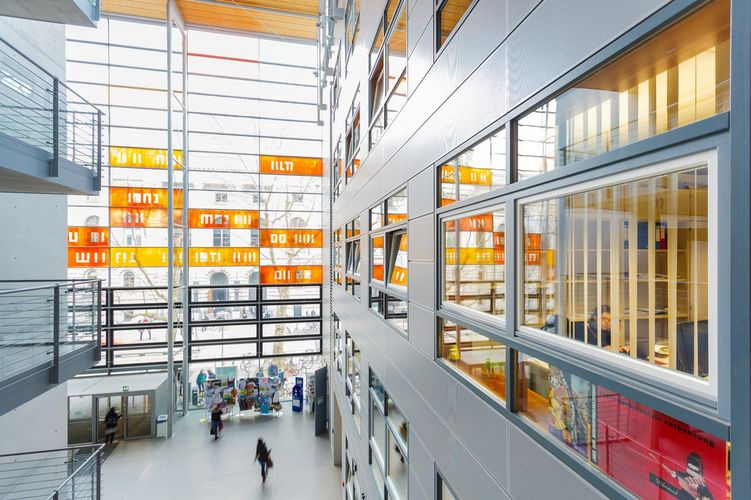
(502, 54)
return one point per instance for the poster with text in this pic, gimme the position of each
(656, 456)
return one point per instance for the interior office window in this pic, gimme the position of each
(388, 63)
(352, 250)
(353, 368)
(474, 265)
(388, 444)
(444, 490)
(625, 267)
(352, 24)
(336, 83)
(448, 15)
(476, 357)
(477, 170)
(338, 256)
(338, 343)
(353, 136)
(377, 246)
(624, 439)
(338, 170)
(392, 309)
(684, 77)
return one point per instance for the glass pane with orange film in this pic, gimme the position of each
(290, 165)
(628, 272)
(290, 274)
(397, 48)
(677, 77)
(121, 156)
(479, 358)
(377, 257)
(136, 197)
(396, 207)
(142, 217)
(474, 262)
(220, 218)
(82, 236)
(291, 238)
(400, 266)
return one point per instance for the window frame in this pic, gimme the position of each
(439, 5)
(673, 380)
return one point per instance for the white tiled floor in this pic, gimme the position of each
(192, 465)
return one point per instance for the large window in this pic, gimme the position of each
(388, 63)
(625, 266)
(474, 266)
(389, 441)
(390, 259)
(475, 357)
(646, 451)
(681, 78)
(352, 26)
(353, 378)
(352, 249)
(476, 170)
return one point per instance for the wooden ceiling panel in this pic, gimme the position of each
(232, 17)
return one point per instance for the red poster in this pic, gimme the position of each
(656, 456)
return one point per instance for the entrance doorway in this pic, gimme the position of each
(86, 416)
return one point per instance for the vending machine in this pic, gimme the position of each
(297, 394)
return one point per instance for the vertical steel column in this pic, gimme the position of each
(55, 376)
(170, 233)
(98, 145)
(54, 165)
(186, 234)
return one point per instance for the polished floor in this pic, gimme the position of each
(192, 465)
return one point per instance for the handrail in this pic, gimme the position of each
(95, 455)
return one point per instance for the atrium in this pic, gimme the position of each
(375, 249)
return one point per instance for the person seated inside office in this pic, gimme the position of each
(684, 351)
(599, 315)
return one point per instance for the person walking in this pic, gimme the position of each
(263, 456)
(216, 421)
(110, 425)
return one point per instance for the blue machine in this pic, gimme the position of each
(297, 394)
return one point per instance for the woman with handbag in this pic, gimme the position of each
(216, 421)
(110, 425)
(263, 455)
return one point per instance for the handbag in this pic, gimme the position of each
(269, 462)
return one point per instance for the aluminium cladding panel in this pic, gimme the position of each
(421, 469)
(419, 23)
(421, 194)
(421, 232)
(434, 402)
(559, 35)
(535, 473)
(420, 60)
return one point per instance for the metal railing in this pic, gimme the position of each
(41, 321)
(38, 109)
(63, 473)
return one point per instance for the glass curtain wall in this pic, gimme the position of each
(254, 215)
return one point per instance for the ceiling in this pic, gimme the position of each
(287, 18)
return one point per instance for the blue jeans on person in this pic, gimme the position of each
(264, 468)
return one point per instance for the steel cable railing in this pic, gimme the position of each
(41, 321)
(64, 473)
(38, 109)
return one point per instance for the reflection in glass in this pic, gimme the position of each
(625, 268)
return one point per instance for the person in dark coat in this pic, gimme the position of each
(216, 421)
(263, 456)
(110, 425)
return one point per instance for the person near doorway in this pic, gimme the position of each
(110, 425)
(201, 381)
(263, 456)
(142, 331)
(216, 421)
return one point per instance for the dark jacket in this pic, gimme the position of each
(262, 453)
(216, 416)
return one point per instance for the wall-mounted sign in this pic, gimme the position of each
(142, 157)
(291, 165)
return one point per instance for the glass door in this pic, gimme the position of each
(80, 421)
(138, 416)
(103, 404)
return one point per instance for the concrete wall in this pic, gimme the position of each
(505, 51)
(33, 246)
(40, 424)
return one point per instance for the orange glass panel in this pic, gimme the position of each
(84, 236)
(470, 256)
(225, 256)
(212, 218)
(378, 272)
(142, 257)
(275, 275)
(478, 223)
(394, 218)
(142, 157)
(291, 238)
(87, 257)
(291, 165)
(142, 217)
(399, 276)
(137, 197)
